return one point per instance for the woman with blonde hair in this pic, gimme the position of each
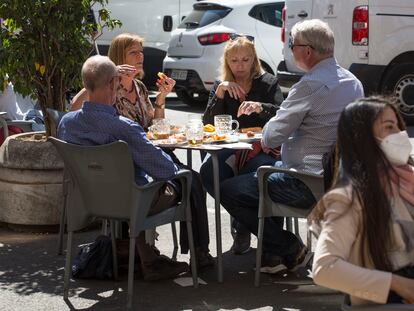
(251, 96)
(132, 101)
(366, 245)
(126, 51)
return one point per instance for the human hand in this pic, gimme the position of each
(127, 71)
(235, 91)
(403, 287)
(165, 85)
(248, 107)
(264, 148)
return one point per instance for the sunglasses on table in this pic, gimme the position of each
(291, 45)
(234, 36)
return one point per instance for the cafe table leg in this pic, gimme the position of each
(189, 158)
(218, 215)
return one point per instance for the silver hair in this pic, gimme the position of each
(316, 33)
(97, 72)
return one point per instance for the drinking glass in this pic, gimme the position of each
(161, 128)
(194, 132)
(224, 124)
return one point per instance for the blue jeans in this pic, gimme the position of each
(226, 172)
(240, 197)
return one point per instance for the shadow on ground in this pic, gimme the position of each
(31, 272)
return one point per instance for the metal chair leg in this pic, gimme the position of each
(259, 251)
(114, 254)
(192, 254)
(175, 241)
(68, 264)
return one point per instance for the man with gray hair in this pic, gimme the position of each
(305, 128)
(97, 123)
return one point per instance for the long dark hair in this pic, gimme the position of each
(365, 168)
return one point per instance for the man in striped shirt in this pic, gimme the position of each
(305, 128)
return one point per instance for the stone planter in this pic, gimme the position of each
(31, 173)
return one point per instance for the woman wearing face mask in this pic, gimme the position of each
(251, 96)
(366, 245)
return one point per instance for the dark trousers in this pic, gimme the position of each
(226, 172)
(198, 212)
(240, 197)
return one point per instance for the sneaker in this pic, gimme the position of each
(241, 244)
(163, 268)
(272, 264)
(303, 260)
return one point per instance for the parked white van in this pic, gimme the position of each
(374, 39)
(151, 19)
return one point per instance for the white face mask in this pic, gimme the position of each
(397, 147)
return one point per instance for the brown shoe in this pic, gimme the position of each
(203, 259)
(241, 243)
(163, 268)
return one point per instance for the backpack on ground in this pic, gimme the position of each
(94, 260)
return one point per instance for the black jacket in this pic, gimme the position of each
(265, 89)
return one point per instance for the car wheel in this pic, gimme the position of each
(191, 100)
(399, 82)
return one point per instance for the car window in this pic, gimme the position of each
(270, 13)
(203, 15)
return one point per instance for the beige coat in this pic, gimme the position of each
(337, 262)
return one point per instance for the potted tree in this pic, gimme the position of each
(43, 44)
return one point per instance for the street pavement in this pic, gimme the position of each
(31, 273)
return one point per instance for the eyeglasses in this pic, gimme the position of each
(292, 45)
(234, 36)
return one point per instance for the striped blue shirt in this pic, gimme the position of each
(306, 123)
(98, 124)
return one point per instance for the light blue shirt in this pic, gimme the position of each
(98, 124)
(306, 123)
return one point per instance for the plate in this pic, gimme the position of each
(244, 138)
(211, 139)
(226, 140)
(169, 142)
(220, 141)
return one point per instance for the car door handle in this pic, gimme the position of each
(303, 14)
